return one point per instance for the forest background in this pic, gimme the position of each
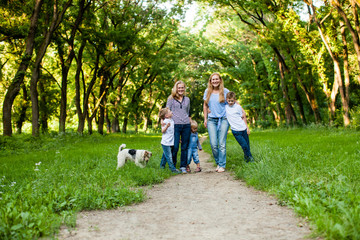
(84, 64)
(79, 66)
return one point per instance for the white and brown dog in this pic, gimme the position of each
(140, 157)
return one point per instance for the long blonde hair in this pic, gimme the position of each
(174, 93)
(210, 89)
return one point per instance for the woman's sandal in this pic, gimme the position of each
(188, 169)
(198, 169)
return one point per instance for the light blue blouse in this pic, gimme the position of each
(217, 109)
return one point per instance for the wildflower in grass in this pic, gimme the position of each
(36, 166)
(12, 184)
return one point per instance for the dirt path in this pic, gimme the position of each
(206, 205)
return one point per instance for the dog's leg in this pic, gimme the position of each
(121, 163)
(139, 164)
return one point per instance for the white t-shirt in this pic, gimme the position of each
(234, 117)
(167, 138)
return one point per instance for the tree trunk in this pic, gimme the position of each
(89, 122)
(310, 95)
(108, 122)
(43, 116)
(23, 108)
(300, 104)
(289, 111)
(102, 98)
(354, 32)
(15, 85)
(34, 99)
(333, 94)
(345, 94)
(65, 65)
(338, 84)
(56, 20)
(125, 124)
(80, 113)
(115, 125)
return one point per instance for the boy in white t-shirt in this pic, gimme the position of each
(236, 117)
(167, 139)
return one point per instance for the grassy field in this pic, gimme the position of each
(45, 181)
(315, 171)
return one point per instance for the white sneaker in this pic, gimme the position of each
(183, 170)
(217, 168)
(220, 170)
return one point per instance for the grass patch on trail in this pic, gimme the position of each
(44, 181)
(315, 170)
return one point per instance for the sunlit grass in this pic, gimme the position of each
(316, 171)
(45, 181)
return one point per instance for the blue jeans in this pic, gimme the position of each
(218, 139)
(193, 153)
(243, 139)
(181, 131)
(167, 158)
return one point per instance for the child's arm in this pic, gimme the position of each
(199, 145)
(245, 120)
(163, 129)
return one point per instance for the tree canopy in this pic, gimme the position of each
(80, 63)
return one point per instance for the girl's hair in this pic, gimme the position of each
(193, 123)
(174, 93)
(163, 112)
(210, 89)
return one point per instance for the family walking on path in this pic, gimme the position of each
(202, 206)
(216, 206)
(220, 109)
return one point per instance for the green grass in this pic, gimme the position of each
(316, 171)
(45, 181)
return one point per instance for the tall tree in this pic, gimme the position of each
(83, 5)
(56, 19)
(15, 85)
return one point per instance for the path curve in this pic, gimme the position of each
(205, 205)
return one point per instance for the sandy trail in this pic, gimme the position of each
(206, 205)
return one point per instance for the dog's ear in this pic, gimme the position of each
(147, 154)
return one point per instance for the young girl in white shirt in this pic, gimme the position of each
(167, 139)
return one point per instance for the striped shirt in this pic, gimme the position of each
(181, 110)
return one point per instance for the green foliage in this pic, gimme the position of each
(44, 181)
(355, 115)
(314, 170)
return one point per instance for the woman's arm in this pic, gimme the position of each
(205, 110)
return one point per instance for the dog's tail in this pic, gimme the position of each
(122, 146)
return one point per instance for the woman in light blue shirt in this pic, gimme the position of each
(215, 119)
